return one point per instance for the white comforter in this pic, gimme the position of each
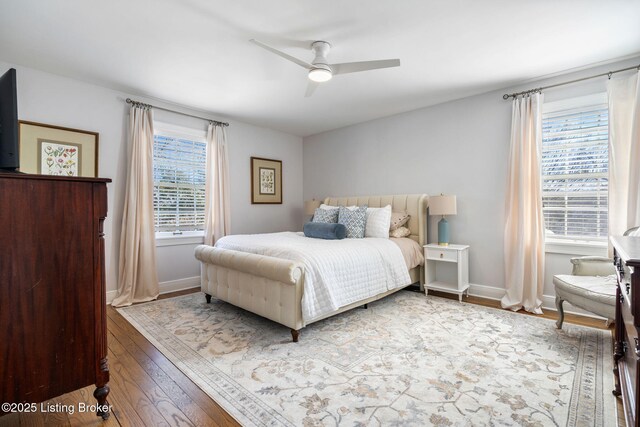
(337, 272)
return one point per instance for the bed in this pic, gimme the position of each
(250, 276)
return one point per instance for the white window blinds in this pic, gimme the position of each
(575, 166)
(179, 180)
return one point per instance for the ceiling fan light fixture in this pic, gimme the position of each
(320, 70)
(320, 75)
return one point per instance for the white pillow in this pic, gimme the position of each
(378, 222)
(351, 208)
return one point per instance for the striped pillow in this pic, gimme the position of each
(378, 222)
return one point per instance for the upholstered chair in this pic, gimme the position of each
(591, 286)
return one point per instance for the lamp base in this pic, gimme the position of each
(443, 232)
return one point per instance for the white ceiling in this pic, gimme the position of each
(196, 52)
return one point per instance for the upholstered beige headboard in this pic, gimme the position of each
(414, 204)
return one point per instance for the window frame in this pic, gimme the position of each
(172, 238)
(570, 246)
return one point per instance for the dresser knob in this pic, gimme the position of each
(441, 255)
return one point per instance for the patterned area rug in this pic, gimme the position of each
(406, 360)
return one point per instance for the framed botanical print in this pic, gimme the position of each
(54, 150)
(266, 181)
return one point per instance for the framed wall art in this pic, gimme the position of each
(55, 150)
(266, 181)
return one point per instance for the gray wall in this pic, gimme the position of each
(460, 147)
(52, 99)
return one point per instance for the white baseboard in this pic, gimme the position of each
(168, 286)
(548, 301)
(180, 284)
(488, 292)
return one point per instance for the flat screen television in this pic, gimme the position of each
(9, 147)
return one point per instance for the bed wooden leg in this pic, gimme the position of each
(365, 306)
(208, 297)
(295, 334)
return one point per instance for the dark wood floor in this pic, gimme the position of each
(148, 390)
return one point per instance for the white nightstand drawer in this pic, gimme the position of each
(442, 254)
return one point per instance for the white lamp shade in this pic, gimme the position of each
(310, 206)
(442, 205)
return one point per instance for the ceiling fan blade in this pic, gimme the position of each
(354, 67)
(311, 87)
(282, 54)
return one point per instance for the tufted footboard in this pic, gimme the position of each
(267, 286)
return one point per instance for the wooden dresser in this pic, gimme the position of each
(53, 329)
(627, 347)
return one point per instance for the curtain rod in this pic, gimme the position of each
(540, 89)
(215, 122)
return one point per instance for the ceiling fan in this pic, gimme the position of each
(321, 71)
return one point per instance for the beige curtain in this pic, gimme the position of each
(524, 229)
(624, 153)
(217, 216)
(138, 280)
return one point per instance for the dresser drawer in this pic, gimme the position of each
(627, 260)
(442, 254)
(628, 367)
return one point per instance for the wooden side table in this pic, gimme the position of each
(452, 259)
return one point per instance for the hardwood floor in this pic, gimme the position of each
(571, 318)
(148, 390)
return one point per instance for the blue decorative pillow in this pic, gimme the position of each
(325, 215)
(354, 220)
(321, 230)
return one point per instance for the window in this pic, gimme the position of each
(179, 159)
(575, 166)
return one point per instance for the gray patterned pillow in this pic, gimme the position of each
(325, 215)
(354, 220)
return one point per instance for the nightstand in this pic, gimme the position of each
(447, 269)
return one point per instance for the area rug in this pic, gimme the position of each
(406, 360)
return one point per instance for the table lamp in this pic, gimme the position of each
(443, 205)
(310, 206)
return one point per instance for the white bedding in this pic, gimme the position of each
(337, 272)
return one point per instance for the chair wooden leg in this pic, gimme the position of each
(295, 334)
(560, 320)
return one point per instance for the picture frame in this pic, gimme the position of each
(266, 181)
(56, 150)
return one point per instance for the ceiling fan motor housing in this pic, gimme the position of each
(321, 50)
